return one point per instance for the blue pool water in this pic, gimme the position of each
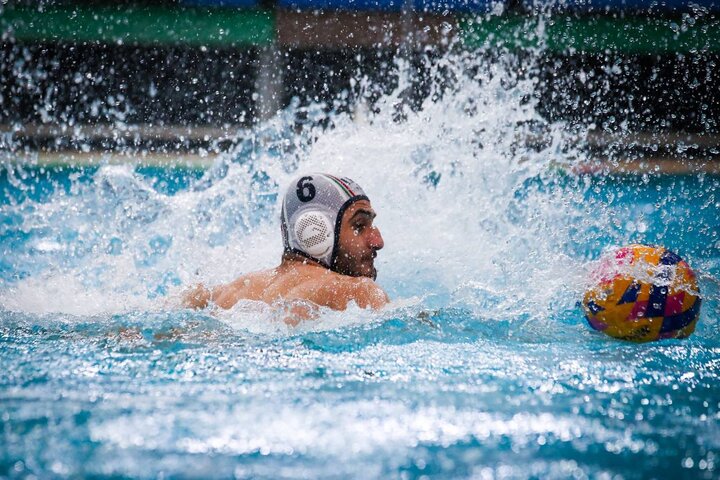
(482, 367)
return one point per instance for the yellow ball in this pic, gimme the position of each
(643, 293)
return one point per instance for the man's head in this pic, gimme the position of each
(359, 242)
(330, 219)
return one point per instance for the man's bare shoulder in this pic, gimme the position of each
(303, 282)
(337, 291)
(249, 286)
(368, 294)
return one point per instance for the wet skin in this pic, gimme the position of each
(301, 285)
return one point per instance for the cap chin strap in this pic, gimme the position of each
(305, 256)
(338, 224)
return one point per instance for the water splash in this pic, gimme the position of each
(471, 186)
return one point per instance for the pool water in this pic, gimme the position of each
(482, 367)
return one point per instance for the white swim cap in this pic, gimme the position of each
(312, 210)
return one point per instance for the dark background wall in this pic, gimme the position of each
(645, 67)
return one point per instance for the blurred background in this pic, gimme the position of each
(163, 77)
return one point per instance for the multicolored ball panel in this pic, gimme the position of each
(643, 293)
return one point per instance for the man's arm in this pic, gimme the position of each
(197, 297)
(341, 290)
(224, 296)
(367, 294)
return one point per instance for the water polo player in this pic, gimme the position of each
(329, 256)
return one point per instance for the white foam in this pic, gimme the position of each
(481, 236)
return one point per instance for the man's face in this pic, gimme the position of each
(359, 241)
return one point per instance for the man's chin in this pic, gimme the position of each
(368, 271)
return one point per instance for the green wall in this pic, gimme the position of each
(142, 25)
(630, 35)
(234, 27)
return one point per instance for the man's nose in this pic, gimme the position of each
(375, 239)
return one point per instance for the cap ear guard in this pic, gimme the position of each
(314, 233)
(312, 212)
